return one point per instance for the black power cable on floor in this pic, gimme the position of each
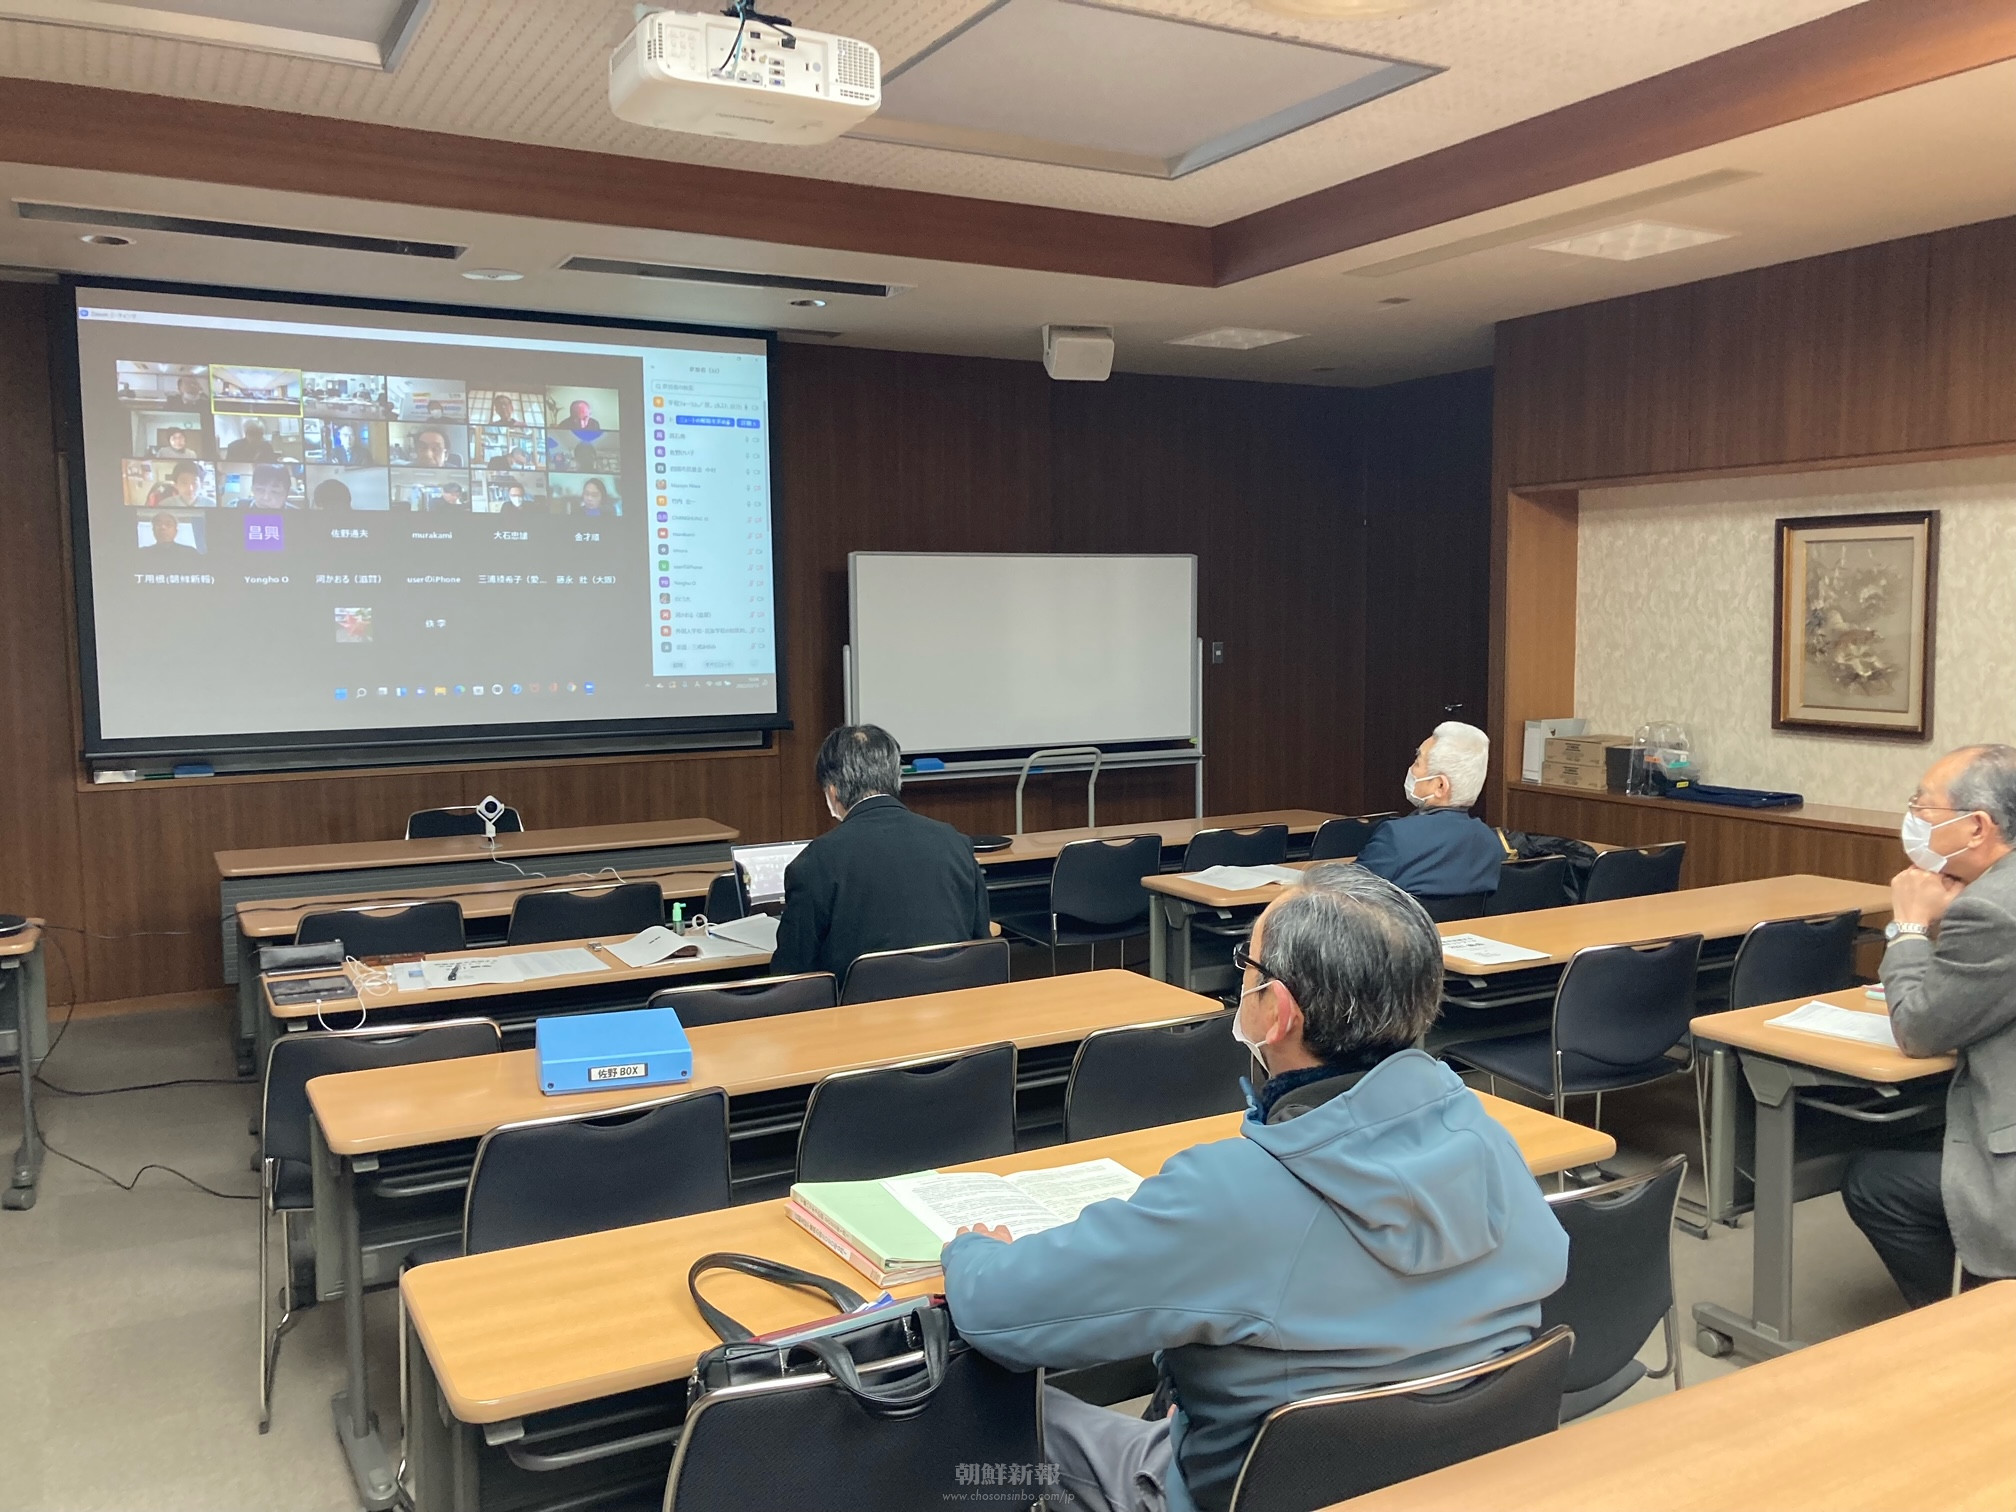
(152, 1165)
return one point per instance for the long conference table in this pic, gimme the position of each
(1916, 1411)
(363, 1117)
(501, 1337)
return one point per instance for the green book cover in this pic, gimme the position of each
(867, 1215)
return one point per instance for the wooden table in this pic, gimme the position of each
(1043, 845)
(25, 972)
(1177, 898)
(400, 1107)
(1719, 913)
(547, 1325)
(1917, 1411)
(386, 868)
(486, 907)
(1777, 1064)
(361, 1116)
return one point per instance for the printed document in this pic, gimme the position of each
(1839, 1023)
(1478, 951)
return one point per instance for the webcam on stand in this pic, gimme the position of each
(491, 809)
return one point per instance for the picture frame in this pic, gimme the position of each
(1855, 613)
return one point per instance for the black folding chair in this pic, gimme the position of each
(285, 1177)
(1788, 958)
(882, 974)
(759, 997)
(727, 897)
(804, 1442)
(1450, 909)
(1524, 886)
(1619, 1013)
(1634, 873)
(437, 824)
(1620, 1283)
(1263, 845)
(1340, 839)
(1095, 895)
(913, 1116)
(1331, 1448)
(578, 913)
(1147, 1074)
(387, 929)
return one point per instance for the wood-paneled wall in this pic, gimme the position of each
(1305, 529)
(1900, 351)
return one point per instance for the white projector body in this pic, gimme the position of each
(673, 72)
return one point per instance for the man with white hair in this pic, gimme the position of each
(1950, 976)
(1440, 851)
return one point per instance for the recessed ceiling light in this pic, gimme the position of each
(491, 275)
(1398, 299)
(1633, 240)
(1237, 338)
(103, 239)
(809, 304)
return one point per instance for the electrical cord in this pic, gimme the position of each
(152, 1165)
(741, 14)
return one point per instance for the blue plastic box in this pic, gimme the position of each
(596, 1052)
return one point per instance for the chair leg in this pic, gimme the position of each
(1959, 1274)
(266, 1345)
(1671, 1326)
(1596, 1122)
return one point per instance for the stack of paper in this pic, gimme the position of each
(891, 1231)
(756, 932)
(1245, 878)
(505, 970)
(1839, 1023)
(1475, 950)
(650, 946)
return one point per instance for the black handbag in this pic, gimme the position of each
(918, 1333)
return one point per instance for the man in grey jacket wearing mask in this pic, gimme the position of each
(1950, 977)
(1372, 1223)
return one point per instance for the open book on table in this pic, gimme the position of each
(892, 1230)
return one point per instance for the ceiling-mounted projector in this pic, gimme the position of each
(742, 75)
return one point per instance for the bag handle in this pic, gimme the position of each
(841, 1296)
(897, 1399)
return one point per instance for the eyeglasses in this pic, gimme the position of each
(1243, 959)
(1915, 806)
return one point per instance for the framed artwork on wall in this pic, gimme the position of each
(1856, 605)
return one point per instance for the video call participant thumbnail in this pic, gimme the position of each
(429, 398)
(426, 445)
(163, 538)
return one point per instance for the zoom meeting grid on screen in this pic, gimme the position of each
(328, 519)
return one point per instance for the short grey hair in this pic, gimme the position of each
(1362, 958)
(859, 761)
(1461, 753)
(1987, 785)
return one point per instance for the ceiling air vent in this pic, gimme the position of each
(183, 225)
(732, 279)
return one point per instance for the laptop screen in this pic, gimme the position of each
(765, 865)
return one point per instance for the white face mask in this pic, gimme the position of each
(1253, 1046)
(1407, 786)
(1917, 836)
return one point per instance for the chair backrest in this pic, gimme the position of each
(435, 824)
(1149, 1074)
(1339, 838)
(1099, 881)
(925, 968)
(1264, 845)
(727, 898)
(367, 930)
(296, 1059)
(804, 1442)
(864, 1125)
(1620, 1268)
(1788, 958)
(1623, 1005)
(581, 1173)
(1635, 873)
(1457, 906)
(1526, 885)
(576, 913)
(759, 997)
(1331, 1448)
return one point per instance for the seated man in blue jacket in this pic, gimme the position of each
(1372, 1224)
(1440, 851)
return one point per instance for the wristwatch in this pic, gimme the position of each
(1893, 931)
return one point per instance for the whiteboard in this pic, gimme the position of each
(973, 652)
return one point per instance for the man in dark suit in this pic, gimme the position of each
(1441, 851)
(885, 879)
